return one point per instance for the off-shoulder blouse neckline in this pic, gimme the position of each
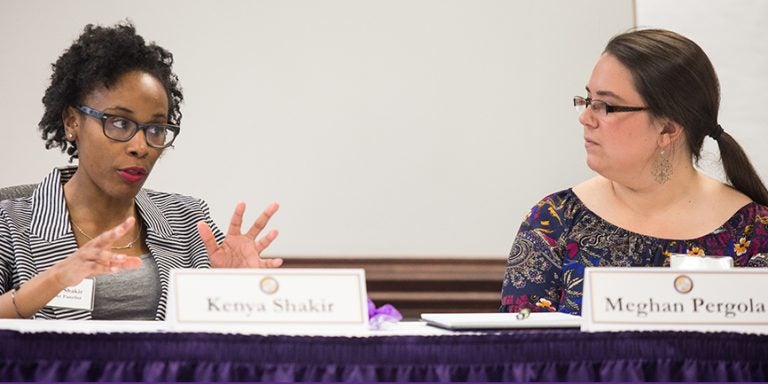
(741, 211)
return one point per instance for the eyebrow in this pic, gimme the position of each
(129, 111)
(607, 94)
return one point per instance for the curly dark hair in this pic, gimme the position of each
(99, 57)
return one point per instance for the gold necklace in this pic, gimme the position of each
(127, 246)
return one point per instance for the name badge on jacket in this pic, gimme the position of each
(75, 297)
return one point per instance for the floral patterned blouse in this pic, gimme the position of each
(561, 236)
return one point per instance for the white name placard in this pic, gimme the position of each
(733, 300)
(286, 296)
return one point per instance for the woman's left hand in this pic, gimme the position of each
(241, 250)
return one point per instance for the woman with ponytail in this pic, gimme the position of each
(651, 101)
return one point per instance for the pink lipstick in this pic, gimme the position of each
(132, 174)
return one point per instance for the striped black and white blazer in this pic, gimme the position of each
(35, 233)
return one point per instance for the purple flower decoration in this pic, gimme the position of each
(381, 317)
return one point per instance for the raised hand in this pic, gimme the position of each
(241, 250)
(96, 257)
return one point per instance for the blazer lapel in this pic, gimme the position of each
(50, 235)
(163, 245)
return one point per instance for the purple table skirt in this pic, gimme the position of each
(532, 355)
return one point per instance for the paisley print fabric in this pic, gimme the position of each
(560, 237)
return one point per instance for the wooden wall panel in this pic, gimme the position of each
(419, 285)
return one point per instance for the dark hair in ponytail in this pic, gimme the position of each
(739, 170)
(677, 81)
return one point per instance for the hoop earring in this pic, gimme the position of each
(662, 168)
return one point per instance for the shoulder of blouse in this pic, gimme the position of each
(554, 212)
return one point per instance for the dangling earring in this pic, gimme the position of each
(662, 168)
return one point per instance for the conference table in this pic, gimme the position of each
(407, 351)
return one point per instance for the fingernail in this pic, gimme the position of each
(118, 257)
(114, 269)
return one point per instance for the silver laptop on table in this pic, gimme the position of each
(458, 321)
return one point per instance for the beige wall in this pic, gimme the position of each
(393, 127)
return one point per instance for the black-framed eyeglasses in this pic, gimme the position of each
(122, 129)
(601, 107)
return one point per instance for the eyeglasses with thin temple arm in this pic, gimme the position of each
(601, 107)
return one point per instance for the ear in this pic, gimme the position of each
(71, 120)
(670, 132)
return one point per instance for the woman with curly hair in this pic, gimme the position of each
(113, 104)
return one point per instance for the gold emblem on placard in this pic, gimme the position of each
(269, 285)
(683, 284)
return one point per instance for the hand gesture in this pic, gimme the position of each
(96, 257)
(241, 250)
